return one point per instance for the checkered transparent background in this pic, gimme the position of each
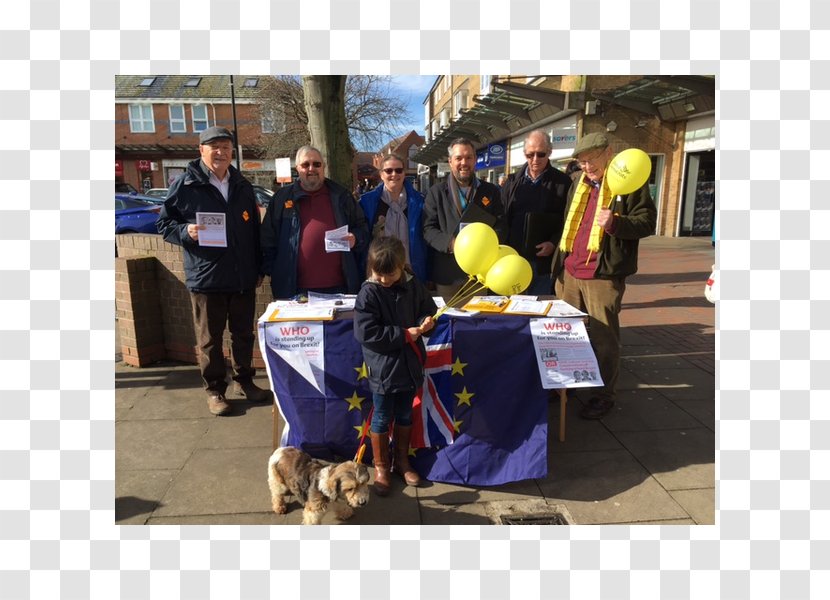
(58, 61)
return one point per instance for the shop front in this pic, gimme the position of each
(698, 190)
(562, 135)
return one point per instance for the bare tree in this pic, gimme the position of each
(374, 113)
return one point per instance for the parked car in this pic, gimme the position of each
(263, 196)
(135, 215)
(125, 188)
(157, 193)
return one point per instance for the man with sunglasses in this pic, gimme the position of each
(460, 199)
(396, 209)
(597, 251)
(294, 228)
(534, 204)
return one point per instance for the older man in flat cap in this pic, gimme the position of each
(597, 251)
(221, 274)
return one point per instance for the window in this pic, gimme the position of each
(177, 120)
(460, 102)
(193, 82)
(413, 150)
(445, 117)
(200, 117)
(272, 121)
(141, 118)
(251, 82)
(147, 82)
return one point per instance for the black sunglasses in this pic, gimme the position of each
(316, 164)
(397, 170)
(530, 155)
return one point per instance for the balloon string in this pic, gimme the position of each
(470, 287)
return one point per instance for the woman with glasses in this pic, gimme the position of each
(395, 209)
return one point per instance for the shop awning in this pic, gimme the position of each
(669, 97)
(495, 116)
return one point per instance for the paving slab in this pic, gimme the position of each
(644, 409)
(679, 459)
(249, 426)
(433, 513)
(156, 445)
(702, 410)
(220, 482)
(138, 494)
(700, 504)
(608, 487)
(447, 494)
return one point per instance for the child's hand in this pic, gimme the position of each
(414, 332)
(427, 324)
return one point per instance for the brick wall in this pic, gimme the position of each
(153, 306)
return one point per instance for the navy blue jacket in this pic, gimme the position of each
(210, 269)
(414, 218)
(281, 237)
(381, 318)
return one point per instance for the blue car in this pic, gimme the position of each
(133, 214)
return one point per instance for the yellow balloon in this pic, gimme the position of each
(509, 275)
(476, 248)
(628, 171)
(506, 251)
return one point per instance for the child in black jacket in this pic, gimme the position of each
(392, 311)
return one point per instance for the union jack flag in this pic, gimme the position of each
(432, 412)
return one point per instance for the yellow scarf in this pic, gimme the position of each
(577, 210)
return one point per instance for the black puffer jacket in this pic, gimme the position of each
(382, 316)
(210, 269)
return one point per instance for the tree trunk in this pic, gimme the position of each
(325, 105)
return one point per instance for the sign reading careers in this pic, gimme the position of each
(564, 354)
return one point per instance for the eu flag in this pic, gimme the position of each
(491, 405)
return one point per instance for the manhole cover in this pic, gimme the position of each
(544, 519)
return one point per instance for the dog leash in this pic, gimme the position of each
(361, 449)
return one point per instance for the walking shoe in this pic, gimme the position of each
(252, 392)
(596, 409)
(217, 404)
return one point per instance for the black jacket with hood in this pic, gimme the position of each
(382, 316)
(212, 269)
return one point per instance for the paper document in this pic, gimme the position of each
(335, 241)
(212, 231)
(560, 308)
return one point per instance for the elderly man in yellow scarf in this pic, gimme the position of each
(597, 251)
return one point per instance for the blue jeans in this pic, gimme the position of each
(541, 284)
(397, 405)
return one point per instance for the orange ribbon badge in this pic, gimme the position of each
(289, 204)
(245, 215)
(485, 201)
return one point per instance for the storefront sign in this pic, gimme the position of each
(143, 165)
(493, 156)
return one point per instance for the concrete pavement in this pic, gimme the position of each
(651, 460)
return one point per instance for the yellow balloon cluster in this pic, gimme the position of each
(498, 267)
(628, 171)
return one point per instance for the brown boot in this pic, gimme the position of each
(380, 454)
(402, 466)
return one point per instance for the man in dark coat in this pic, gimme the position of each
(294, 228)
(534, 204)
(222, 275)
(461, 199)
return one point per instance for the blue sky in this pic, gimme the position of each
(414, 89)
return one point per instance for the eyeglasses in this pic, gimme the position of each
(594, 160)
(531, 155)
(316, 164)
(397, 170)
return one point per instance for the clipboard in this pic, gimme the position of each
(540, 227)
(475, 214)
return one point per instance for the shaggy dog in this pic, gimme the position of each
(292, 471)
